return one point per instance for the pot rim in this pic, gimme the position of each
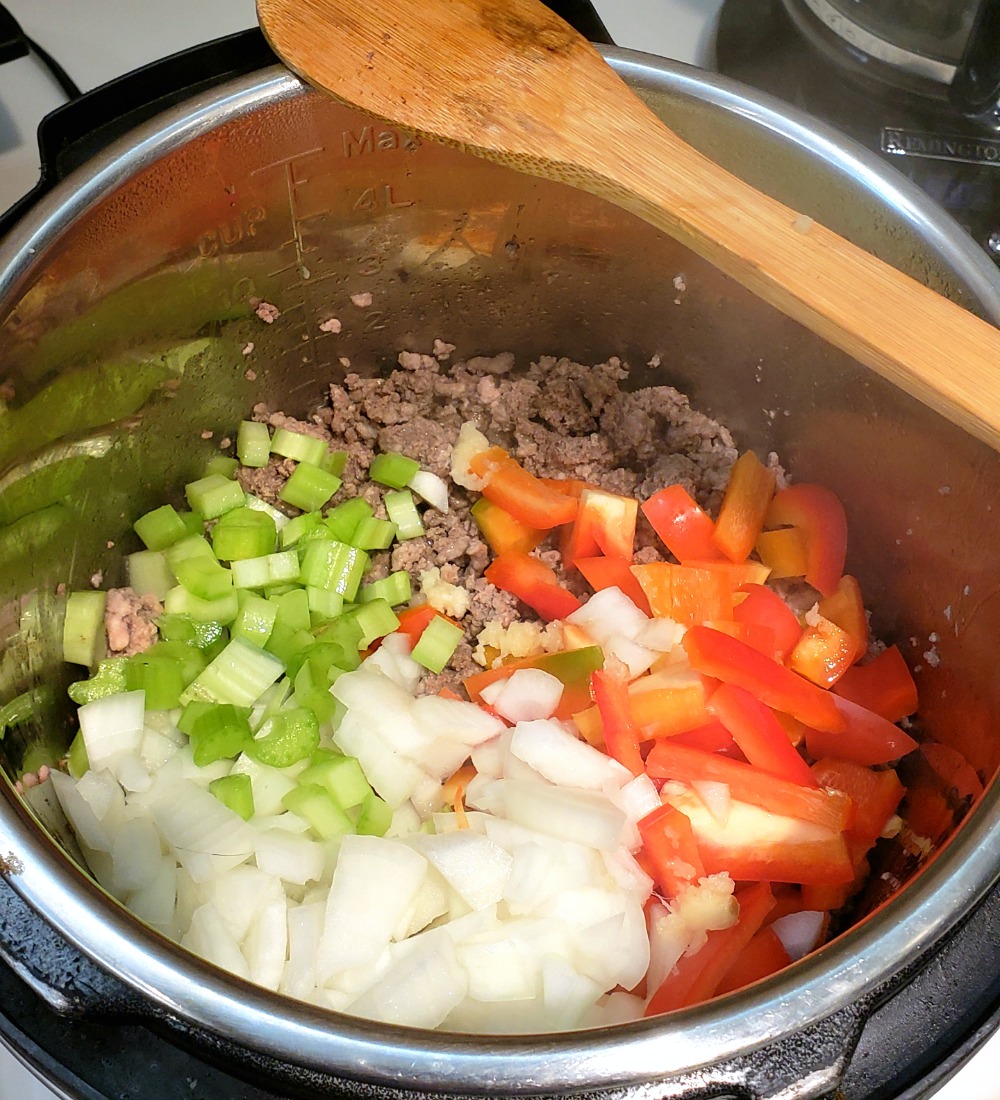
(186, 989)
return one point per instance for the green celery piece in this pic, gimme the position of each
(84, 641)
(295, 528)
(314, 804)
(286, 738)
(312, 690)
(225, 465)
(109, 679)
(193, 632)
(323, 604)
(214, 495)
(343, 518)
(258, 505)
(193, 547)
(334, 462)
(253, 444)
(395, 589)
(194, 523)
(149, 574)
(191, 713)
(402, 510)
(160, 528)
(341, 639)
(220, 733)
(373, 534)
(77, 761)
(78, 400)
(393, 469)
(376, 619)
(309, 487)
(179, 601)
(292, 609)
(236, 792)
(263, 572)
(160, 679)
(375, 817)
(335, 566)
(255, 619)
(243, 533)
(204, 577)
(437, 643)
(298, 446)
(240, 674)
(342, 777)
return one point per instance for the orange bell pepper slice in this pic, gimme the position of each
(682, 525)
(503, 533)
(764, 607)
(604, 524)
(831, 810)
(533, 583)
(665, 711)
(824, 652)
(784, 552)
(728, 659)
(744, 506)
(670, 849)
(526, 497)
(845, 606)
(866, 737)
(760, 736)
(819, 514)
(685, 594)
(884, 684)
(603, 572)
(621, 737)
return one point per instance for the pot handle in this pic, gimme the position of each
(78, 130)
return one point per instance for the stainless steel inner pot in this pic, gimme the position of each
(126, 303)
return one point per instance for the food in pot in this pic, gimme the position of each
(487, 701)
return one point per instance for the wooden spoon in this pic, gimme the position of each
(512, 82)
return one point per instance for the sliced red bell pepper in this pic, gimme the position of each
(828, 896)
(830, 810)
(683, 526)
(604, 524)
(609, 688)
(846, 607)
(884, 684)
(758, 844)
(711, 737)
(763, 956)
(760, 736)
(866, 737)
(670, 849)
(534, 583)
(716, 654)
(824, 652)
(874, 795)
(696, 977)
(571, 667)
(744, 505)
(526, 497)
(784, 552)
(602, 572)
(502, 532)
(765, 607)
(819, 514)
(684, 594)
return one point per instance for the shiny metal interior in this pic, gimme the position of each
(126, 303)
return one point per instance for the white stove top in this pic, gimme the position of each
(98, 40)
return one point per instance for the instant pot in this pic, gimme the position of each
(129, 286)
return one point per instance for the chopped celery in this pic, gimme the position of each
(243, 533)
(312, 690)
(403, 512)
(160, 678)
(179, 601)
(149, 574)
(77, 762)
(255, 619)
(437, 643)
(292, 609)
(335, 566)
(240, 674)
(297, 527)
(193, 523)
(392, 469)
(376, 619)
(204, 577)
(222, 464)
(258, 505)
(343, 518)
(286, 738)
(84, 641)
(279, 568)
(375, 817)
(214, 495)
(394, 589)
(253, 444)
(314, 804)
(192, 547)
(373, 534)
(236, 792)
(342, 777)
(191, 713)
(323, 604)
(342, 636)
(195, 632)
(160, 528)
(298, 446)
(289, 646)
(334, 462)
(220, 732)
(109, 679)
(309, 487)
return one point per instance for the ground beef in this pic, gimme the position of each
(559, 418)
(129, 621)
